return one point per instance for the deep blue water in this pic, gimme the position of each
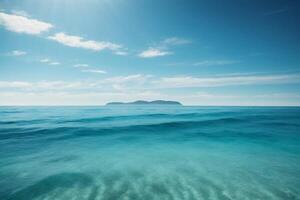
(128, 152)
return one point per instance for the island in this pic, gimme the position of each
(142, 102)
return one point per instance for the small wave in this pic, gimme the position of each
(19, 133)
(109, 118)
(67, 132)
(146, 116)
(280, 124)
(23, 122)
(190, 123)
(10, 112)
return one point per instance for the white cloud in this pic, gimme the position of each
(81, 65)
(135, 78)
(17, 53)
(219, 99)
(176, 41)
(79, 42)
(49, 62)
(139, 81)
(121, 53)
(161, 49)
(54, 63)
(107, 83)
(215, 62)
(152, 52)
(274, 12)
(94, 71)
(45, 60)
(22, 24)
(100, 98)
(20, 12)
(138, 86)
(220, 81)
(14, 84)
(46, 85)
(73, 98)
(127, 83)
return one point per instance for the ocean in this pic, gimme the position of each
(149, 152)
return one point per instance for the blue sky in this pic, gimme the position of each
(89, 52)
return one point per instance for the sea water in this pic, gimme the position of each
(149, 152)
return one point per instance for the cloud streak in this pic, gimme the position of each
(138, 86)
(215, 62)
(49, 62)
(54, 63)
(72, 98)
(23, 24)
(79, 65)
(130, 81)
(20, 22)
(45, 60)
(153, 52)
(175, 41)
(17, 53)
(274, 12)
(94, 71)
(100, 98)
(161, 49)
(139, 81)
(221, 81)
(79, 42)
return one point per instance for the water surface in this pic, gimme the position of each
(152, 152)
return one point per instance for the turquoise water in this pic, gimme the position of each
(129, 152)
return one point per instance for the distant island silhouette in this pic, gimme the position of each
(141, 102)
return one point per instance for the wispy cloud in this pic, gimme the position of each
(204, 63)
(73, 98)
(219, 99)
(121, 53)
(152, 52)
(17, 53)
(278, 11)
(79, 42)
(175, 41)
(45, 60)
(162, 48)
(54, 63)
(215, 62)
(80, 65)
(45, 97)
(107, 83)
(177, 64)
(86, 68)
(14, 84)
(139, 86)
(135, 78)
(42, 85)
(23, 24)
(140, 81)
(20, 13)
(94, 71)
(20, 22)
(49, 61)
(221, 81)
